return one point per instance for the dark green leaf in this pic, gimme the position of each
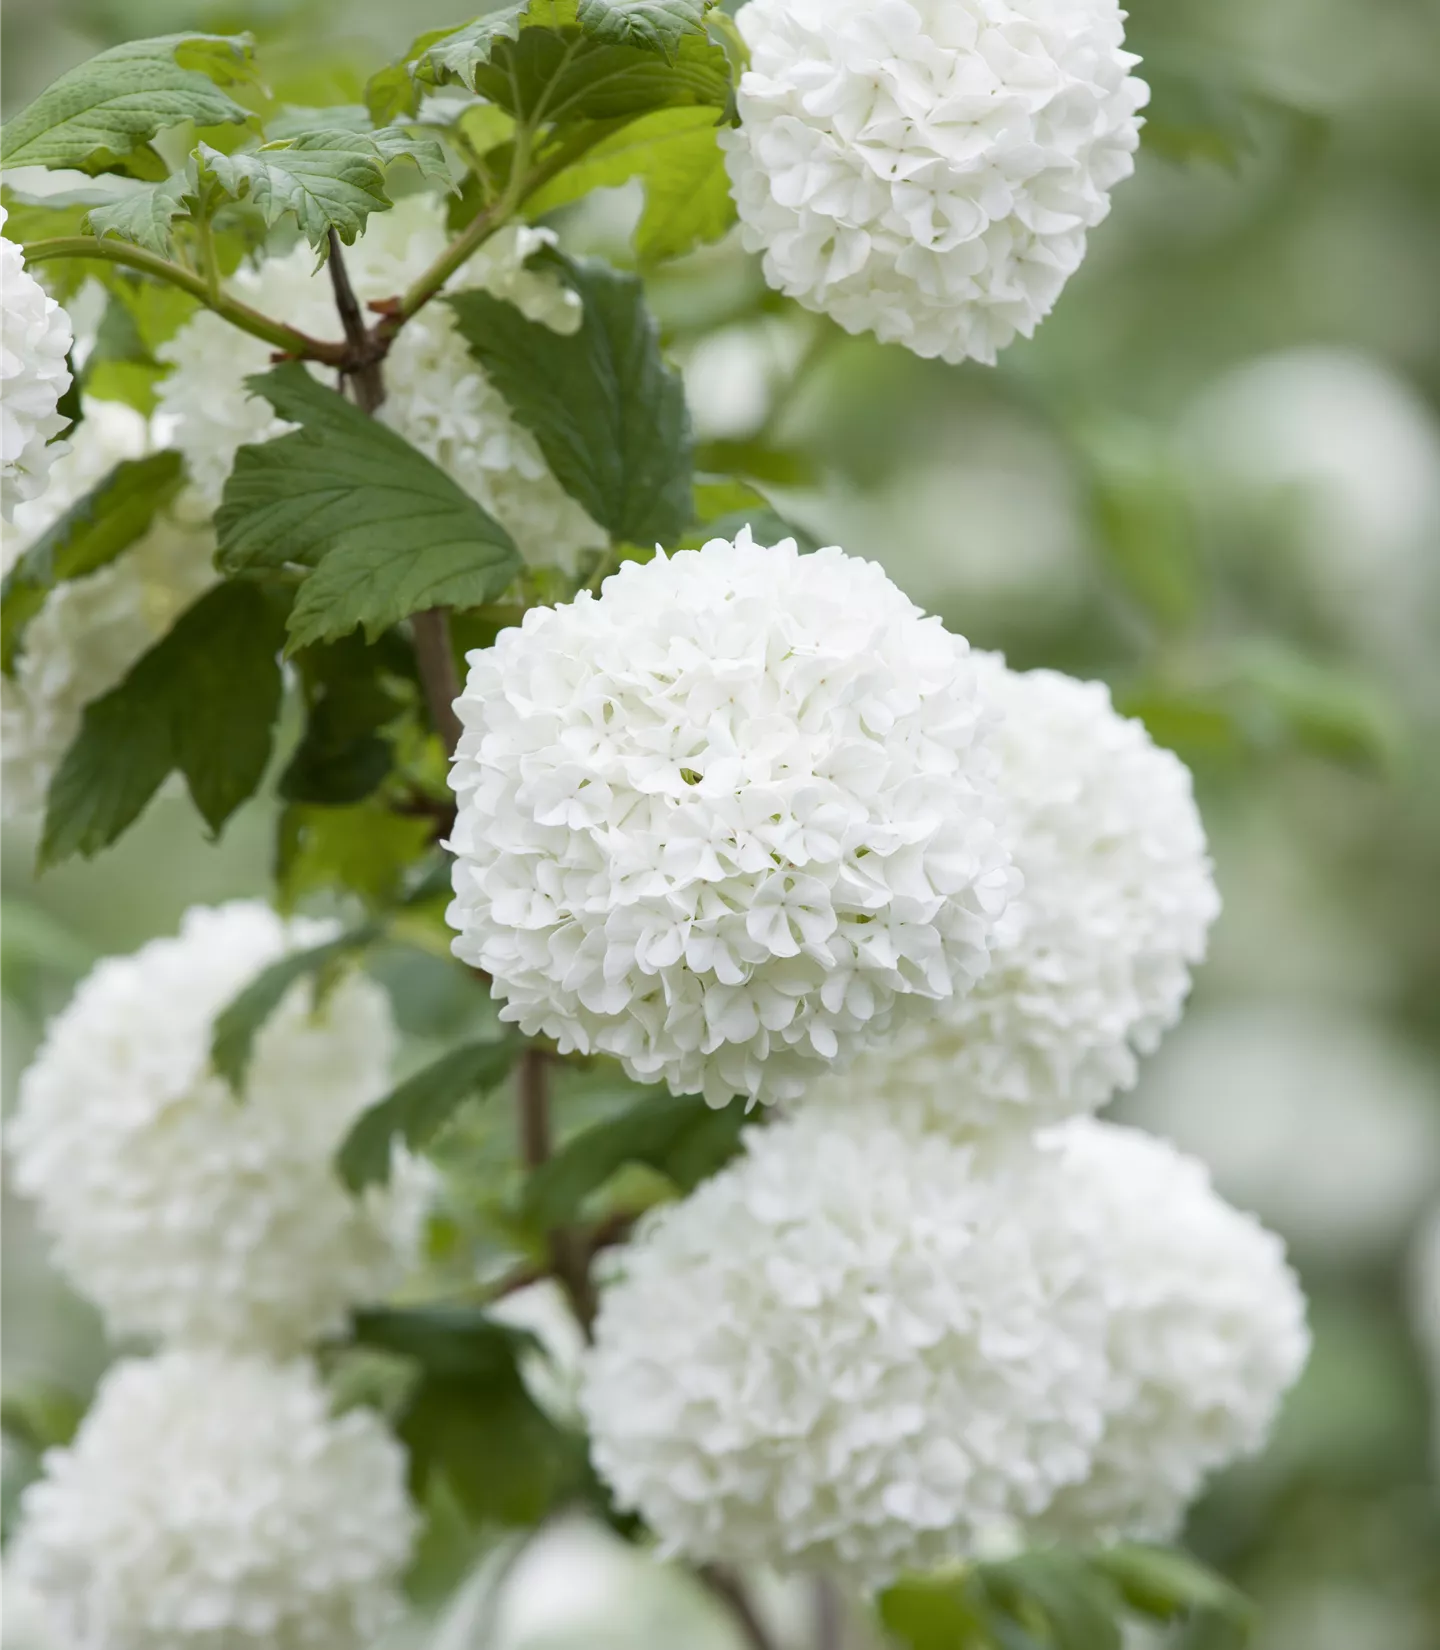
(1165, 1584)
(470, 1418)
(241, 1022)
(204, 700)
(1079, 1607)
(365, 850)
(91, 533)
(677, 156)
(654, 25)
(388, 531)
(679, 1136)
(102, 114)
(351, 693)
(144, 217)
(417, 1110)
(608, 413)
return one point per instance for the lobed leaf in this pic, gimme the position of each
(387, 532)
(203, 700)
(653, 25)
(92, 533)
(421, 1106)
(101, 115)
(608, 413)
(144, 217)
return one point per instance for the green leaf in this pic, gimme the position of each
(365, 850)
(1166, 1585)
(931, 1613)
(388, 532)
(417, 1110)
(144, 217)
(677, 1135)
(351, 692)
(101, 116)
(391, 92)
(1319, 707)
(653, 25)
(1079, 1607)
(40, 1415)
(331, 178)
(91, 534)
(609, 415)
(239, 1024)
(204, 700)
(469, 1419)
(676, 155)
(539, 63)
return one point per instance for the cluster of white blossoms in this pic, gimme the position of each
(35, 338)
(732, 821)
(91, 630)
(927, 170)
(437, 394)
(188, 1214)
(1093, 962)
(214, 1501)
(209, 1498)
(868, 1347)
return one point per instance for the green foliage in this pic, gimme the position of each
(679, 1136)
(351, 693)
(386, 532)
(676, 155)
(469, 1418)
(328, 178)
(609, 415)
(366, 850)
(421, 1106)
(242, 1021)
(101, 116)
(92, 533)
(203, 700)
(146, 217)
(560, 61)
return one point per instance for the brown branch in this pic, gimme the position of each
(367, 351)
(569, 1251)
(728, 1589)
(829, 1615)
(435, 655)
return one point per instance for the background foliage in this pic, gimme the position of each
(1065, 507)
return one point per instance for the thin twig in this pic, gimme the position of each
(366, 350)
(728, 1589)
(569, 1251)
(829, 1616)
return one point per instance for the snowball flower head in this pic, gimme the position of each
(857, 1346)
(90, 631)
(34, 341)
(1094, 958)
(182, 1211)
(211, 1501)
(437, 395)
(730, 821)
(927, 170)
(1207, 1329)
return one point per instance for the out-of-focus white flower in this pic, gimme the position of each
(1329, 454)
(34, 340)
(551, 1371)
(1206, 1329)
(731, 821)
(210, 1501)
(27, 1622)
(182, 1211)
(90, 631)
(1321, 1121)
(927, 169)
(1093, 960)
(732, 376)
(437, 395)
(858, 1346)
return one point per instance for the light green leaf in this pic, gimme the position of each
(1165, 1584)
(241, 1022)
(678, 1136)
(417, 1110)
(144, 217)
(91, 533)
(676, 154)
(365, 850)
(204, 700)
(101, 115)
(608, 413)
(653, 25)
(388, 531)
(391, 92)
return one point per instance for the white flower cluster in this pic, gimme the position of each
(871, 1347)
(731, 822)
(927, 170)
(1093, 962)
(90, 631)
(184, 1213)
(211, 1502)
(437, 395)
(34, 341)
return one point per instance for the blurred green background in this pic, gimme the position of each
(1212, 479)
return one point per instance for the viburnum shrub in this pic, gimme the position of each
(780, 944)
